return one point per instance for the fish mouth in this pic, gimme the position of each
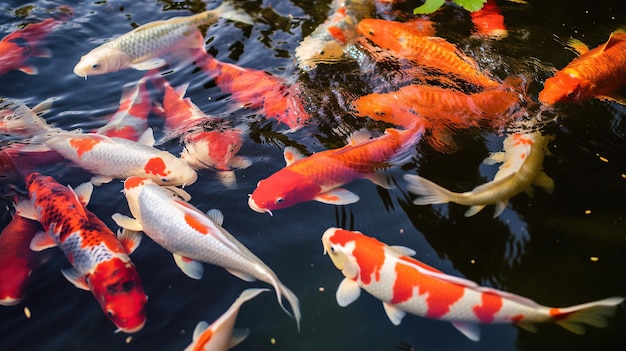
(131, 330)
(10, 301)
(256, 207)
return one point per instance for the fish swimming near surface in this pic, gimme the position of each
(522, 164)
(17, 260)
(406, 285)
(433, 53)
(16, 119)
(221, 335)
(110, 158)
(17, 47)
(489, 22)
(147, 46)
(326, 43)
(99, 258)
(194, 237)
(596, 73)
(320, 176)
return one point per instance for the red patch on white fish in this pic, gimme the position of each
(156, 166)
(83, 145)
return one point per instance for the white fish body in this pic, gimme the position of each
(522, 163)
(17, 119)
(194, 237)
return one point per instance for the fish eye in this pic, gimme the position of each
(279, 200)
(164, 180)
(109, 313)
(95, 65)
(371, 32)
(322, 52)
(332, 249)
(379, 113)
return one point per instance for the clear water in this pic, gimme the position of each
(540, 247)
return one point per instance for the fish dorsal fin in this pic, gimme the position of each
(578, 46)
(200, 328)
(395, 314)
(615, 38)
(469, 329)
(83, 192)
(75, 278)
(192, 269)
(147, 137)
(347, 292)
(292, 155)
(216, 216)
(359, 137)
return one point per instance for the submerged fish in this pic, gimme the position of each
(19, 120)
(522, 164)
(489, 22)
(406, 285)
(320, 176)
(194, 237)
(221, 335)
(598, 73)
(146, 46)
(99, 259)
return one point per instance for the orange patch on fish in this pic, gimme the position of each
(83, 145)
(337, 33)
(194, 223)
(133, 182)
(156, 166)
(491, 304)
(369, 253)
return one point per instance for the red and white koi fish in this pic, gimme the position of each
(146, 46)
(221, 335)
(406, 285)
(522, 164)
(208, 141)
(194, 237)
(489, 22)
(23, 43)
(130, 121)
(598, 73)
(19, 120)
(257, 89)
(320, 176)
(325, 44)
(17, 260)
(110, 158)
(99, 259)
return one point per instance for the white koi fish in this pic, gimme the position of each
(406, 285)
(110, 158)
(221, 335)
(522, 163)
(194, 237)
(17, 119)
(144, 47)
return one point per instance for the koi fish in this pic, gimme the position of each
(99, 259)
(19, 120)
(320, 176)
(406, 285)
(325, 44)
(145, 47)
(194, 237)
(221, 335)
(431, 52)
(18, 46)
(258, 89)
(130, 120)
(110, 158)
(489, 22)
(522, 163)
(17, 260)
(208, 142)
(595, 73)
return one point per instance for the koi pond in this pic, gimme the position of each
(560, 249)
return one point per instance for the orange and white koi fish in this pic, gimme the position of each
(19, 120)
(489, 22)
(522, 164)
(596, 73)
(146, 46)
(194, 237)
(17, 260)
(320, 176)
(431, 52)
(110, 158)
(208, 141)
(23, 43)
(99, 259)
(406, 285)
(325, 44)
(221, 335)
(130, 120)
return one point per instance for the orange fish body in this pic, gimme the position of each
(595, 73)
(17, 260)
(99, 259)
(432, 52)
(319, 176)
(489, 22)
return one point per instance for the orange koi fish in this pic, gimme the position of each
(23, 43)
(99, 259)
(431, 52)
(406, 285)
(320, 176)
(489, 22)
(17, 260)
(257, 89)
(595, 73)
(221, 335)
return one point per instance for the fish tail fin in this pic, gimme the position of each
(228, 11)
(283, 291)
(593, 313)
(429, 192)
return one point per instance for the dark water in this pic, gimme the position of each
(540, 247)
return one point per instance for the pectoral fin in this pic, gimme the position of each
(395, 315)
(127, 222)
(237, 337)
(130, 239)
(192, 269)
(337, 196)
(42, 241)
(469, 329)
(75, 278)
(347, 292)
(149, 64)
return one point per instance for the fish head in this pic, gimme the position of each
(167, 169)
(341, 251)
(282, 189)
(563, 87)
(132, 188)
(212, 148)
(14, 273)
(102, 60)
(376, 106)
(117, 287)
(314, 50)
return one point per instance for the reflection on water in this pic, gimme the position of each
(560, 249)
